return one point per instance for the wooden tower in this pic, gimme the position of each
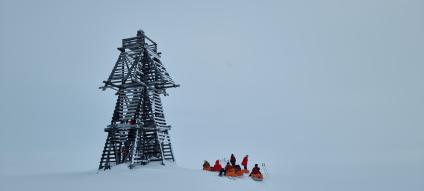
(138, 132)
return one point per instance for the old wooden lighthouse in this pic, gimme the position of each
(138, 132)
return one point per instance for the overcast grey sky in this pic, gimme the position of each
(309, 87)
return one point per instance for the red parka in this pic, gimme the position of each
(217, 166)
(244, 162)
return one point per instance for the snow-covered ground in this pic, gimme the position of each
(172, 177)
(151, 177)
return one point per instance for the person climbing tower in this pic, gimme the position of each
(132, 121)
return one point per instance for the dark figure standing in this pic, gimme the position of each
(244, 162)
(228, 166)
(233, 160)
(221, 172)
(125, 153)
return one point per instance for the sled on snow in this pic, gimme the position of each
(257, 177)
(233, 173)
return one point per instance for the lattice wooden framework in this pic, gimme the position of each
(138, 132)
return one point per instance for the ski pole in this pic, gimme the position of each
(266, 171)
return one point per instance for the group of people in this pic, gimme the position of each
(234, 170)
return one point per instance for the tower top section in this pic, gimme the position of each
(139, 65)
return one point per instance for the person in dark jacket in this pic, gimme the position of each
(255, 170)
(206, 165)
(233, 160)
(125, 153)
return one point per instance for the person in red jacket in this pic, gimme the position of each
(217, 167)
(244, 162)
(233, 160)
